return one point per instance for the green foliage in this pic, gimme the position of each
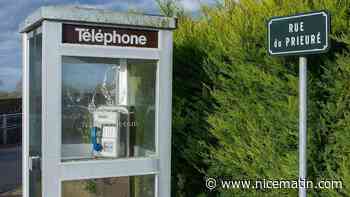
(169, 7)
(235, 108)
(191, 105)
(91, 186)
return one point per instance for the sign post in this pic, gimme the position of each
(300, 35)
(302, 122)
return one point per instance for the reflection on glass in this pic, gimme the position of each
(141, 94)
(108, 108)
(35, 56)
(136, 186)
(87, 83)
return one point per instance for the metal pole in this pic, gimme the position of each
(302, 124)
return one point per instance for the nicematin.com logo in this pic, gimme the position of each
(229, 183)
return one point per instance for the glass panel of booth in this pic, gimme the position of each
(133, 186)
(108, 108)
(35, 113)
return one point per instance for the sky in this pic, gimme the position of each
(13, 12)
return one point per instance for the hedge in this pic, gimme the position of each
(235, 108)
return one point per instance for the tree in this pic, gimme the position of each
(169, 7)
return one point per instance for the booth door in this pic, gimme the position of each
(108, 127)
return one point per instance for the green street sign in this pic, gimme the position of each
(299, 34)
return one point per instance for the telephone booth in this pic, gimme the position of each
(97, 90)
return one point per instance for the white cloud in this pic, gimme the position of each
(147, 6)
(191, 5)
(195, 5)
(113, 5)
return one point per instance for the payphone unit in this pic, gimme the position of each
(110, 134)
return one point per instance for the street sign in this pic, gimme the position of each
(299, 34)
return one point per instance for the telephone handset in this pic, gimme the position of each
(96, 145)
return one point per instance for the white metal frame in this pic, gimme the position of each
(25, 116)
(53, 170)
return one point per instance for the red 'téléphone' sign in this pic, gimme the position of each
(109, 36)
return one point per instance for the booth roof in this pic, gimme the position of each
(97, 16)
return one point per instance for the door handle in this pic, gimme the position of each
(34, 163)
